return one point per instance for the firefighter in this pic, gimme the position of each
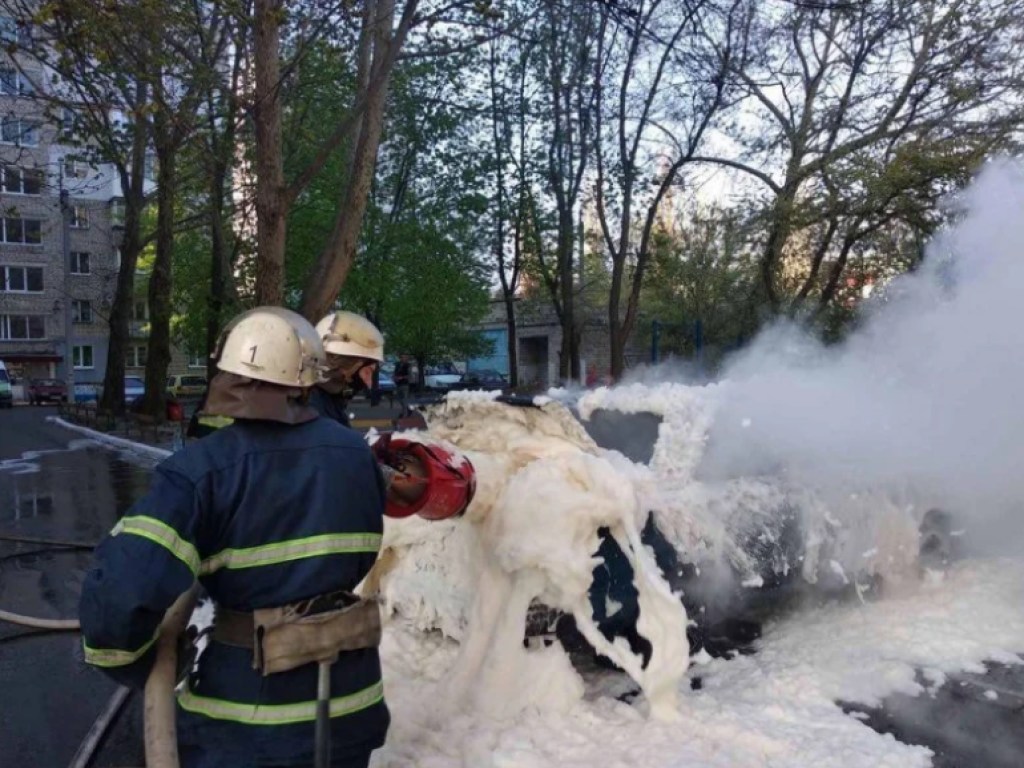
(354, 347)
(278, 515)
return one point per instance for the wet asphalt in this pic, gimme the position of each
(54, 486)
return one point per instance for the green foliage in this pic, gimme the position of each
(702, 269)
(416, 274)
(423, 290)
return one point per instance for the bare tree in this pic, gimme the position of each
(567, 35)
(666, 81)
(510, 149)
(844, 92)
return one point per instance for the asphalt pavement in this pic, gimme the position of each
(54, 486)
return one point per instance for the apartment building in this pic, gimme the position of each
(54, 310)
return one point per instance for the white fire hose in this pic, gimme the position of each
(159, 713)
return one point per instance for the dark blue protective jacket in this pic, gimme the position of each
(329, 406)
(263, 514)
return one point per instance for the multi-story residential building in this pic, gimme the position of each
(54, 308)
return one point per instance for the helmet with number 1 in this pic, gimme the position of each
(351, 335)
(274, 345)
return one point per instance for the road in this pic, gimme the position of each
(51, 486)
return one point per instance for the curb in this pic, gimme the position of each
(117, 442)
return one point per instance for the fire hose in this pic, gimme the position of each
(160, 731)
(426, 495)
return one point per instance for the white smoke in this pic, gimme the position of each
(927, 398)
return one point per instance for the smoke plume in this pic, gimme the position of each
(926, 398)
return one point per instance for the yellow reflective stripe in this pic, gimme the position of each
(278, 714)
(111, 657)
(162, 534)
(296, 549)
(217, 422)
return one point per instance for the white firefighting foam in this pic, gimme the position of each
(708, 518)
(545, 489)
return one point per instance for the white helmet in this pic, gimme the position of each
(352, 335)
(272, 344)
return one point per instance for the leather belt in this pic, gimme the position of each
(235, 628)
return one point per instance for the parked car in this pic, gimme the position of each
(484, 379)
(47, 390)
(441, 378)
(134, 388)
(87, 393)
(187, 386)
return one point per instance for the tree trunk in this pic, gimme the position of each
(569, 362)
(271, 211)
(222, 145)
(335, 262)
(513, 340)
(132, 181)
(158, 357)
(112, 397)
(220, 267)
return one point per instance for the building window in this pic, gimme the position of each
(81, 357)
(13, 32)
(79, 217)
(79, 263)
(140, 311)
(136, 356)
(15, 130)
(196, 361)
(22, 181)
(75, 169)
(13, 83)
(81, 311)
(117, 212)
(21, 279)
(22, 327)
(26, 231)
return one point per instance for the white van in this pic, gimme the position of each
(6, 396)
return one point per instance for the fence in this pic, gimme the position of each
(131, 425)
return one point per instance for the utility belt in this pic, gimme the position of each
(310, 631)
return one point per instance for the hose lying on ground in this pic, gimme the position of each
(86, 750)
(37, 623)
(70, 544)
(159, 712)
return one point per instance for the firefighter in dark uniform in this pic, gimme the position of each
(274, 513)
(354, 348)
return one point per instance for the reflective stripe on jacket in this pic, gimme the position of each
(263, 514)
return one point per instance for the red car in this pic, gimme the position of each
(46, 390)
